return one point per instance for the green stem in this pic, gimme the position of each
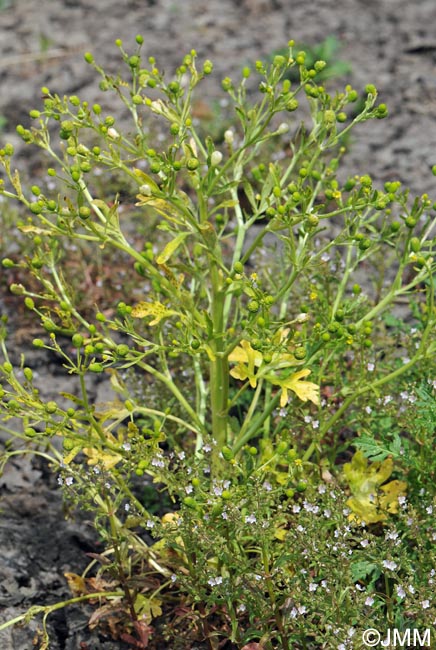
(255, 425)
(219, 365)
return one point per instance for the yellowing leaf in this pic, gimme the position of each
(280, 533)
(155, 309)
(171, 248)
(371, 501)
(147, 607)
(107, 459)
(76, 584)
(164, 208)
(247, 359)
(145, 179)
(35, 230)
(305, 390)
(72, 454)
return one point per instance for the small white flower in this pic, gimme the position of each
(149, 523)
(370, 367)
(390, 564)
(313, 586)
(425, 604)
(369, 602)
(250, 519)
(400, 591)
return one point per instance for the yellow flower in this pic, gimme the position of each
(305, 390)
(248, 359)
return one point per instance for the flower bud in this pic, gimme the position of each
(229, 136)
(113, 133)
(215, 158)
(283, 128)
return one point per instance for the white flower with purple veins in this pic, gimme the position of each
(250, 519)
(149, 523)
(390, 564)
(213, 582)
(369, 602)
(400, 591)
(313, 586)
(158, 462)
(392, 535)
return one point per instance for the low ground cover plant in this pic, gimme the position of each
(264, 475)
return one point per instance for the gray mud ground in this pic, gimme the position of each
(391, 43)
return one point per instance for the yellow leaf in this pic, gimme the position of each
(76, 584)
(305, 390)
(35, 230)
(280, 533)
(371, 501)
(145, 179)
(72, 454)
(247, 359)
(171, 248)
(105, 458)
(155, 309)
(148, 608)
(164, 208)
